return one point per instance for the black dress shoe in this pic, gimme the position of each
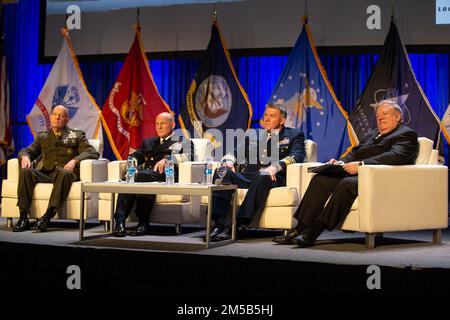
(22, 225)
(303, 241)
(42, 223)
(142, 230)
(120, 229)
(215, 232)
(287, 239)
(224, 235)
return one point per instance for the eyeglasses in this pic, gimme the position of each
(59, 115)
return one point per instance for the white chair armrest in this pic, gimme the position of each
(94, 170)
(116, 170)
(294, 177)
(13, 169)
(191, 171)
(306, 176)
(418, 191)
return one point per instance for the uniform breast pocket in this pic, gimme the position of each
(284, 150)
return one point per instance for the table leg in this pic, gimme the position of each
(233, 222)
(81, 214)
(208, 218)
(113, 202)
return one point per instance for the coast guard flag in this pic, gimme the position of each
(215, 98)
(131, 108)
(310, 101)
(65, 85)
(394, 79)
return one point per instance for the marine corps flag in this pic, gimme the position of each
(65, 85)
(131, 108)
(215, 98)
(310, 101)
(394, 79)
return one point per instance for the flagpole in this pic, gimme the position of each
(305, 18)
(138, 17)
(214, 13)
(393, 10)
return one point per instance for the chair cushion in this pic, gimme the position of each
(278, 197)
(9, 188)
(42, 191)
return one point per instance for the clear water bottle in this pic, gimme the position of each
(169, 171)
(208, 171)
(131, 169)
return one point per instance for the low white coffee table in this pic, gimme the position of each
(190, 189)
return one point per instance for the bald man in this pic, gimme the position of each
(151, 159)
(61, 149)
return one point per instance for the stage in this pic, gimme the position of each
(253, 270)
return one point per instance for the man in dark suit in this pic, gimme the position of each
(393, 144)
(61, 149)
(151, 159)
(257, 175)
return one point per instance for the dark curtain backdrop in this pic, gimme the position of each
(348, 73)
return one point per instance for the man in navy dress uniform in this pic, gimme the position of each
(151, 159)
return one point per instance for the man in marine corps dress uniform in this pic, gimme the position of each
(61, 149)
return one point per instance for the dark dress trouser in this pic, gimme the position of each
(343, 191)
(254, 202)
(28, 178)
(144, 202)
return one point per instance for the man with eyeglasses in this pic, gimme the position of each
(61, 149)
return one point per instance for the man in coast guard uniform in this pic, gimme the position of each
(151, 158)
(257, 176)
(61, 149)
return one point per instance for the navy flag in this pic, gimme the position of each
(394, 79)
(216, 99)
(310, 101)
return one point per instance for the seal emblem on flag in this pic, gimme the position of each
(213, 101)
(69, 97)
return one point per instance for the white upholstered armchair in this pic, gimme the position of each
(398, 198)
(90, 171)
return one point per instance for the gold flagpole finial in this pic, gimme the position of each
(137, 26)
(393, 9)
(214, 13)
(138, 16)
(306, 9)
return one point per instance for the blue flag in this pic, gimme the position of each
(394, 79)
(310, 101)
(216, 99)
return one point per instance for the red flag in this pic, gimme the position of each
(130, 111)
